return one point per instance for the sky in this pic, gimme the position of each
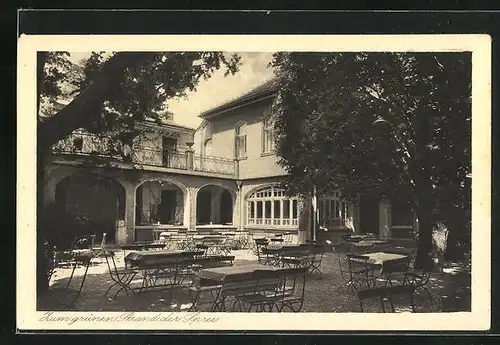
(218, 89)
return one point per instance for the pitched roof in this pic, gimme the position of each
(262, 91)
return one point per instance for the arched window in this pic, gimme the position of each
(271, 206)
(241, 140)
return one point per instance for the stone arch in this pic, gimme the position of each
(180, 207)
(96, 202)
(217, 205)
(221, 185)
(177, 183)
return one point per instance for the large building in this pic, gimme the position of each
(222, 175)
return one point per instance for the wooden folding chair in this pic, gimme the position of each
(263, 297)
(386, 292)
(260, 244)
(234, 286)
(291, 292)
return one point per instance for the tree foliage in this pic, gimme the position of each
(115, 90)
(58, 79)
(393, 124)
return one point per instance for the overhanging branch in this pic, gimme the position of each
(81, 110)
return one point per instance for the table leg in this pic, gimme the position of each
(71, 276)
(84, 276)
(218, 301)
(83, 281)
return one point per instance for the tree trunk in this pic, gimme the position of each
(424, 246)
(42, 283)
(424, 213)
(456, 231)
(452, 252)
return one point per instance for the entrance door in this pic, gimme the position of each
(203, 207)
(167, 207)
(369, 215)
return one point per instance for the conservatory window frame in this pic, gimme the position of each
(269, 196)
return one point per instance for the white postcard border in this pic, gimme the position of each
(30, 319)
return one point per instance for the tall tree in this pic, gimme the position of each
(392, 124)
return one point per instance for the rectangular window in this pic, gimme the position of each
(268, 137)
(286, 209)
(252, 210)
(241, 141)
(169, 146)
(241, 146)
(259, 209)
(268, 209)
(277, 209)
(295, 210)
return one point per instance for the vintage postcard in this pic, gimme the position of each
(268, 182)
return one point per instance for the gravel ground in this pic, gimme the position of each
(451, 291)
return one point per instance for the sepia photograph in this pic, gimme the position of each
(198, 186)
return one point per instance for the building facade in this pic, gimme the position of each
(223, 175)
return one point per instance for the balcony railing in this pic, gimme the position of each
(159, 158)
(89, 145)
(214, 165)
(104, 147)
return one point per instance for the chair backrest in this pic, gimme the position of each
(267, 280)
(397, 266)
(293, 280)
(317, 254)
(83, 242)
(239, 284)
(339, 249)
(355, 262)
(261, 241)
(295, 252)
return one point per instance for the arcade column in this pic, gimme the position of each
(305, 221)
(125, 228)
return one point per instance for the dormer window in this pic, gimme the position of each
(241, 140)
